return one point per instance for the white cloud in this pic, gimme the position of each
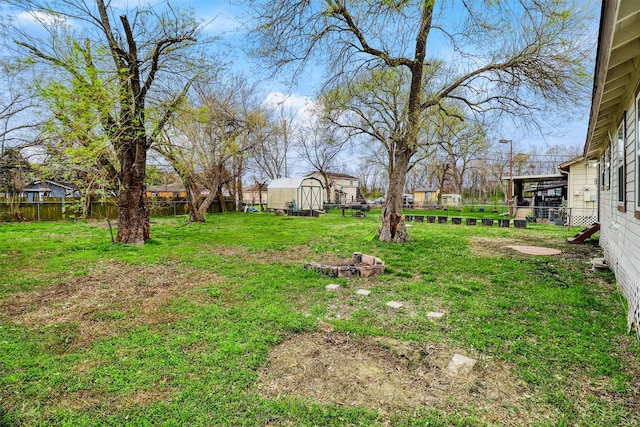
(38, 17)
(302, 105)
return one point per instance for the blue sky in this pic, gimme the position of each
(225, 20)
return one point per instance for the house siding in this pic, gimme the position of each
(620, 230)
(582, 193)
(346, 186)
(614, 102)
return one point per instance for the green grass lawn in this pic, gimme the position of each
(220, 324)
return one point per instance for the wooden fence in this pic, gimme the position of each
(56, 209)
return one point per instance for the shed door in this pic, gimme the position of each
(311, 197)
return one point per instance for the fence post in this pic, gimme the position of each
(38, 210)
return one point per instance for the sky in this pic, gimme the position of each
(224, 20)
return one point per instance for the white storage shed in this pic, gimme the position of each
(297, 194)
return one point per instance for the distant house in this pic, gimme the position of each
(39, 190)
(451, 200)
(613, 142)
(254, 194)
(167, 191)
(343, 188)
(582, 191)
(425, 196)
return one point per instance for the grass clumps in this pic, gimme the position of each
(219, 324)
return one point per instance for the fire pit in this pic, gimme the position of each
(363, 266)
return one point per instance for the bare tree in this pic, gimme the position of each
(209, 139)
(270, 155)
(502, 56)
(371, 177)
(499, 167)
(462, 142)
(554, 156)
(319, 144)
(440, 166)
(15, 130)
(116, 60)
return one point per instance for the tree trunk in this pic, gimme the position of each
(327, 186)
(133, 207)
(393, 226)
(239, 194)
(196, 209)
(237, 179)
(201, 206)
(222, 201)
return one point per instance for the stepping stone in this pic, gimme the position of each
(434, 315)
(363, 292)
(599, 264)
(534, 250)
(332, 287)
(394, 304)
(461, 364)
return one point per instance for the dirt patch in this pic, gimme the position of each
(491, 246)
(289, 254)
(501, 246)
(111, 297)
(389, 375)
(87, 399)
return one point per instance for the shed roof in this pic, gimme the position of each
(290, 182)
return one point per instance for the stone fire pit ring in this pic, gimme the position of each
(362, 266)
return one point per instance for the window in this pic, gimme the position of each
(605, 166)
(638, 154)
(620, 164)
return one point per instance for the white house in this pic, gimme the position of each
(254, 194)
(297, 194)
(451, 200)
(582, 191)
(613, 141)
(343, 188)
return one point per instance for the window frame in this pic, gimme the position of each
(605, 169)
(621, 163)
(637, 155)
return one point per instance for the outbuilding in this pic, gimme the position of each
(582, 191)
(451, 200)
(295, 194)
